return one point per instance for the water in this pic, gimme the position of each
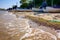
(13, 28)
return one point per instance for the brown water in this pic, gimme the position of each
(13, 28)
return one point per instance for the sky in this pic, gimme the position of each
(8, 3)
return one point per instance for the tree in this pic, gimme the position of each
(9, 9)
(37, 3)
(57, 2)
(30, 3)
(24, 5)
(14, 7)
(54, 2)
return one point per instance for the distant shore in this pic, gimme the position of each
(37, 10)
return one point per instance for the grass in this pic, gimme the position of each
(44, 22)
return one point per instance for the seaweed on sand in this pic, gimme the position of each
(44, 22)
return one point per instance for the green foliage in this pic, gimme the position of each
(14, 7)
(44, 22)
(34, 2)
(37, 3)
(24, 5)
(23, 1)
(57, 2)
(2, 9)
(49, 2)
